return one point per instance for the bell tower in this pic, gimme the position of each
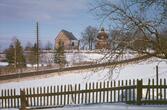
(102, 40)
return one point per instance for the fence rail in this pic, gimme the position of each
(129, 91)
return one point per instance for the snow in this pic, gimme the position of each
(118, 106)
(76, 57)
(107, 106)
(142, 70)
(35, 65)
(3, 64)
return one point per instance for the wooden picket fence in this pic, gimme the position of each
(129, 91)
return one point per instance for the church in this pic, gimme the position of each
(67, 40)
(102, 41)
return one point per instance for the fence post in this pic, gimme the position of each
(24, 102)
(139, 91)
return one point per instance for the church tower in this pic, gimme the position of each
(102, 40)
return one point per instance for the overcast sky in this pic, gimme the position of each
(18, 19)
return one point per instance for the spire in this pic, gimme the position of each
(102, 29)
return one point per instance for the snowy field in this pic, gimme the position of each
(119, 106)
(78, 57)
(142, 70)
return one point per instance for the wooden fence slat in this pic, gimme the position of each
(89, 93)
(114, 91)
(122, 92)
(79, 89)
(130, 93)
(160, 89)
(11, 101)
(8, 99)
(104, 92)
(61, 96)
(54, 98)
(165, 90)
(82, 98)
(111, 92)
(107, 92)
(86, 88)
(64, 95)
(2, 91)
(44, 98)
(96, 92)
(148, 89)
(57, 96)
(27, 98)
(50, 102)
(139, 91)
(23, 102)
(157, 90)
(34, 99)
(75, 94)
(14, 93)
(93, 94)
(68, 95)
(30, 93)
(5, 99)
(126, 93)
(38, 96)
(41, 101)
(153, 94)
(100, 93)
(118, 91)
(47, 98)
(134, 91)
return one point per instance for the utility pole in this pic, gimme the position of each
(15, 55)
(37, 41)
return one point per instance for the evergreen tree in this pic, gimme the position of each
(59, 57)
(10, 54)
(31, 56)
(14, 54)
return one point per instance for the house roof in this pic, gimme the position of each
(69, 34)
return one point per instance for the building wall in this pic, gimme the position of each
(65, 41)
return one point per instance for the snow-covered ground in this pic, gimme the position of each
(118, 106)
(142, 70)
(79, 57)
(2, 64)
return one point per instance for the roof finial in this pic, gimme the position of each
(102, 29)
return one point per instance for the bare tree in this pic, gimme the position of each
(136, 20)
(28, 46)
(89, 37)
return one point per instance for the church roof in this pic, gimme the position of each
(69, 34)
